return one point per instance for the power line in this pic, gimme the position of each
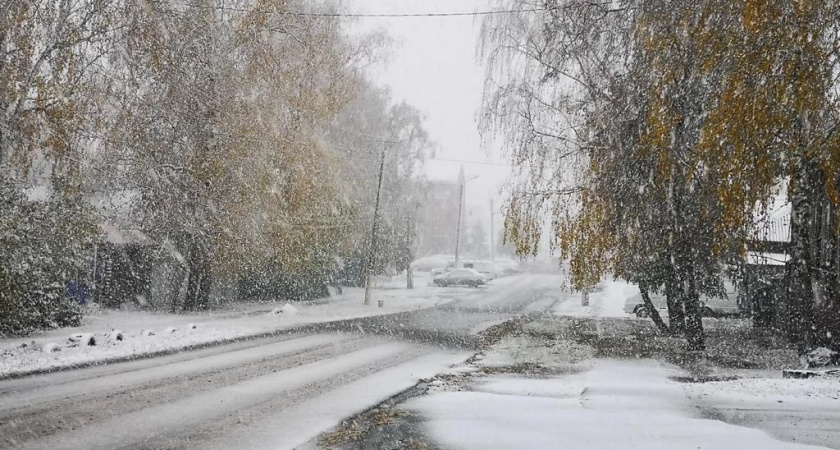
(369, 15)
(464, 161)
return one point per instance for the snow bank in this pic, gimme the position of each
(51, 347)
(147, 333)
(115, 336)
(570, 387)
(82, 339)
(286, 309)
(826, 390)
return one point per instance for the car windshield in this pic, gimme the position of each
(420, 224)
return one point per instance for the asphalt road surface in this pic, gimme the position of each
(276, 392)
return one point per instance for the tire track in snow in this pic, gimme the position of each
(175, 417)
(300, 424)
(88, 401)
(108, 368)
(13, 399)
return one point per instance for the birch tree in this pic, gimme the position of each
(221, 110)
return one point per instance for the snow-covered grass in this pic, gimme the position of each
(735, 343)
(173, 332)
(524, 350)
(731, 344)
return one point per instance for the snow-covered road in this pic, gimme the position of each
(153, 333)
(273, 392)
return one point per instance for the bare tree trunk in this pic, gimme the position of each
(198, 289)
(673, 295)
(800, 296)
(823, 233)
(832, 309)
(3, 143)
(683, 254)
(651, 309)
(693, 320)
(676, 312)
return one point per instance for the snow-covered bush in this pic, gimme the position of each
(115, 336)
(51, 347)
(42, 244)
(82, 340)
(285, 310)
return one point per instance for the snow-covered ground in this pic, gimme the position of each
(276, 392)
(801, 410)
(177, 331)
(545, 392)
(276, 395)
(305, 421)
(777, 390)
(609, 302)
(614, 405)
(523, 350)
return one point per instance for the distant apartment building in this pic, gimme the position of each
(437, 228)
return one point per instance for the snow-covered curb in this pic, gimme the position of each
(148, 335)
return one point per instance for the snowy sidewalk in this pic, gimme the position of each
(173, 332)
(614, 405)
(801, 410)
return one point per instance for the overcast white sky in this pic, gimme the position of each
(434, 68)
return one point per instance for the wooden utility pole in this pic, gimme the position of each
(492, 236)
(409, 241)
(460, 213)
(372, 249)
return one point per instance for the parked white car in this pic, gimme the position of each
(486, 268)
(709, 306)
(460, 277)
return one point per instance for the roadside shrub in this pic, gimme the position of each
(42, 248)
